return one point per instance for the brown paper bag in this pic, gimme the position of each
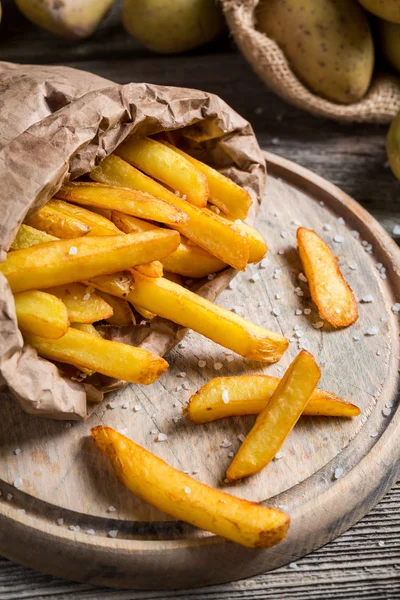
(380, 105)
(58, 123)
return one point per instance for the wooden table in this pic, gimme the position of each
(364, 562)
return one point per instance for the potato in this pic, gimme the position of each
(72, 19)
(172, 27)
(83, 304)
(28, 236)
(329, 290)
(42, 314)
(56, 223)
(277, 419)
(176, 303)
(328, 44)
(132, 202)
(389, 39)
(186, 499)
(113, 359)
(389, 10)
(225, 397)
(86, 328)
(98, 224)
(393, 146)
(122, 315)
(188, 260)
(66, 261)
(224, 193)
(257, 245)
(202, 227)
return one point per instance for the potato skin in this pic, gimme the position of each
(389, 34)
(328, 44)
(385, 9)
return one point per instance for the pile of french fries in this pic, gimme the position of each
(116, 248)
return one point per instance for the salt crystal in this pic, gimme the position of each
(321, 203)
(283, 506)
(383, 269)
(396, 231)
(182, 345)
(338, 472)
(341, 221)
(277, 273)
(218, 366)
(17, 451)
(91, 532)
(275, 141)
(113, 533)
(111, 405)
(293, 565)
(125, 404)
(372, 331)
(355, 234)
(263, 264)
(338, 238)
(386, 412)
(304, 344)
(175, 404)
(307, 311)
(9, 497)
(137, 407)
(302, 277)
(260, 304)
(374, 435)
(178, 388)
(278, 296)
(255, 277)
(379, 266)
(225, 396)
(283, 234)
(367, 299)
(389, 405)
(383, 275)
(378, 352)
(276, 312)
(356, 337)
(187, 489)
(298, 312)
(231, 454)
(60, 522)
(230, 358)
(237, 310)
(186, 386)
(18, 482)
(353, 266)
(201, 363)
(279, 455)
(153, 431)
(292, 339)
(182, 374)
(381, 543)
(177, 419)
(226, 443)
(299, 333)
(364, 243)
(86, 297)
(281, 252)
(327, 227)
(122, 430)
(318, 324)
(111, 509)
(297, 223)
(396, 307)
(241, 437)
(162, 437)
(232, 284)
(73, 250)
(21, 511)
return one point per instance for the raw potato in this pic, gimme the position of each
(176, 303)
(83, 304)
(167, 166)
(52, 221)
(277, 419)
(109, 358)
(329, 290)
(328, 44)
(98, 224)
(66, 261)
(203, 227)
(393, 146)
(224, 193)
(389, 10)
(186, 499)
(123, 315)
(71, 19)
(188, 260)
(28, 236)
(171, 27)
(42, 314)
(132, 202)
(249, 394)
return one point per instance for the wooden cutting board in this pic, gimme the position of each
(61, 477)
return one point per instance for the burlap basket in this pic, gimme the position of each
(380, 105)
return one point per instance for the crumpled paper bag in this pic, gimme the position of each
(58, 123)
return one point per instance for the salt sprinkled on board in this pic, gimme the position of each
(182, 374)
(338, 473)
(318, 324)
(60, 522)
(241, 437)
(230, 358)
(386, 411)
(111, 509)
(356, 337)
(353, 266)
(339, 239)
(293, 565)
(113, 533)
(381, 543)
(18, 482)
(255, 277)
(232, 284)
(162, 437)
(374, 435)
(125, 404)
(17, 451)
(186, 386)
(298, 312)
(307, 311)
(355, 234)
(178, 388)
(372, 331)
(231, 454)
(279, 455)
(367, 299)
(137, 407)
(283, 506)
(9, 497)
(327, 227)
(73, 250)
(226, 443)
(396, 307)
(283, 234)
(340, 220)
(278, 296)
(201, 364)
(263, 264)
(396, 230)
(90, 532)
(302, 277)
(276, 312)
(218, 366)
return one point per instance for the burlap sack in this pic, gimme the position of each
(56, 124)
(380, 105)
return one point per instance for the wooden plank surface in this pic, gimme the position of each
(365, 562)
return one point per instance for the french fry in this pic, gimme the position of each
(28, 236)
(114, 359)
(176, 303)
(119, 284)
(132, 202)
(83, 304)
(98, 224)
(42, 314)
(203, 227)
(56, 223)
(187, 260)
(166, 165)
(224, 193)
(123, 315)
(329, 290)
(277, 419)
(184, 498)
(249, 394)
(86, 328)
(66, 261)
(257, 244)
(152, 269)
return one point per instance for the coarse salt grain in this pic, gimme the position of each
(73, 250)
(111, 405)
(187, 489)
(218, 366)
(231, 454)
(21, 511)
(175, 404)
(396, 230)
(201, 364)
(9, 497)
(113, 533)
(374, 435)
(302, 277)
(396, 307)
(383, 276)
(230, 358)
(338, 472)
(255, 277)
(186, 386)
(125, 405)
(367, 299)
(378, 352)
(162, 437)
(304, 344)
(241, 437)
(225, 396)
(338, 239)
(90, 532)
(341, 221)
(283, 234)
(260, 304)
(307, 311)
(17, 451)
(283, 506)
(356, 337)
(60, 522)
(276, 312)
(327, 227)
(281, 252)
(178, 388)
(153, 431)
(298, 312)
(263, 264)
(278, 296)
(277, 274)
(182, 374)
(232, 284)
(355, 234)
(297, 223)
(226, 443)
(353, 266)
(386, 411)
(111, 509)
(279, 455)
(372, 331)
(182, 345)
(321, 203)
(137, 407)
(237, 310)
(381, 543)
(18, 482)
(293, 565)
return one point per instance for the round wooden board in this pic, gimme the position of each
(65, 477)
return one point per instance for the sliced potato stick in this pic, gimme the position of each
(224, 193)
(56, 223)
(184, 498)
(146, 314)
(174, 302)
(132, 202)
(86, 328)
(83, 304)
(166, 165)
(119, 284)
(277, 419)
(187, 260)
(329, 290)
(109, 358)
(66, 261)
(42, 314)
(257, 244)
(98, 224)
(28, 236)
(123, 314)
(152, 269)
(203, 227)
(249, 395)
